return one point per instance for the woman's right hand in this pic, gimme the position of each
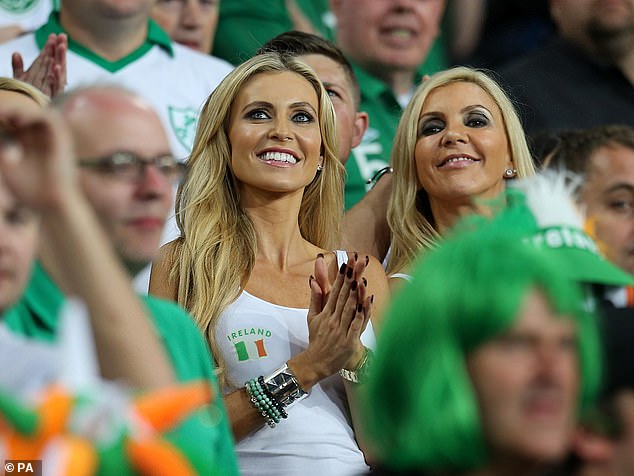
(337, 317)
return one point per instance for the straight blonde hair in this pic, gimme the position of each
(408, 216)
(214, 257)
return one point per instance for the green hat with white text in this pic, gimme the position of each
(559, 228)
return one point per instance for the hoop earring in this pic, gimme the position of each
(510, 173)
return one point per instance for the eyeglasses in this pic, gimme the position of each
(129, 166)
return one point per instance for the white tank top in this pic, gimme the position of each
(255, 338)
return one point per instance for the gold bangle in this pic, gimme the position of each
(361, 371)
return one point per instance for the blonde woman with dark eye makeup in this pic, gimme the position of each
(458, 142)
(288, 318)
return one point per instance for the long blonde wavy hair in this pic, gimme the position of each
(409, 215)
(214, 257)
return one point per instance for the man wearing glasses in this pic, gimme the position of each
(127, 173)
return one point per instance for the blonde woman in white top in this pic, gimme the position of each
(259, 213)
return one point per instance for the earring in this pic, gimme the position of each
(510, 173)
(320, 167)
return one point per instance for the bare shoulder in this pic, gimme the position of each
(161, 284)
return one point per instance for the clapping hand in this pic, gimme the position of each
(48, 70)
(338, 315)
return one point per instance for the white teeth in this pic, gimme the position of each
(278, 157)
(457, 159)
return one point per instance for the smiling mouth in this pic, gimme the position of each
(458, 161)
(281, 157)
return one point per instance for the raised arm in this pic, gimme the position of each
(38, 166)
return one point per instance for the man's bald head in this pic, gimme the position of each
(106, 121)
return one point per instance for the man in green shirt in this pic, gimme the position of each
(387, 43)
(126, 173)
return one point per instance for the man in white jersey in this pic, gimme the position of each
(116, 42)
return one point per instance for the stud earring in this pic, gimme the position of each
(320, 167)
(510, 173)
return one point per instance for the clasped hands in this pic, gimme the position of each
(338, 315)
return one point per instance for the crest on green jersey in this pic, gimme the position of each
(183, 121)
(18, 6)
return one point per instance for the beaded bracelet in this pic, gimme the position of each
(260, 407)
(276, 402)
(265, 406)
(275, 410)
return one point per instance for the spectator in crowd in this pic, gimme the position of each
(584, 77)
(603, 444)
(126, 172)
(387, 42)
(189, 22)
(495, 376)
(457, 144)
(20, 225)
(262, 21)
(489, 33)
(118, 43)
(262, 198)
(603, 157)
(340, 81)
(20, 102)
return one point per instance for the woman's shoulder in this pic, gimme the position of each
(160, 283)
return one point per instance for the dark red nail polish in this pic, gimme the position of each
(359, 308)
(353, 286)
(372, 298)
(342, 269)
(349, 272)
(356, 256)
(365, 281)
(367, 260)
(320, 255)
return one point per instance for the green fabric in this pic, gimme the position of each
(373, 153)
(385, 112)
(206, 434)
(155, 36)
(436, 58)
(245, 25)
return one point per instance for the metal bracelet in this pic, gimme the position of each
(378, 174)
(284, 387)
